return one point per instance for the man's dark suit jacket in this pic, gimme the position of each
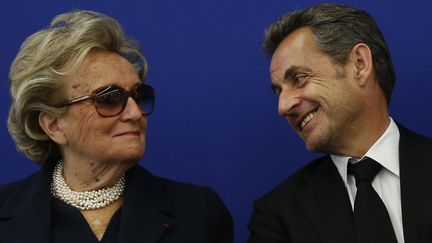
(313, 205)
(154, 210)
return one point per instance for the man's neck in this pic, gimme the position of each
(365, 136)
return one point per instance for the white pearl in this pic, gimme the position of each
(86, 200)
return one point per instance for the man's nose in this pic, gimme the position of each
(287, 103)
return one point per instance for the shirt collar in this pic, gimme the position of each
(385, 151)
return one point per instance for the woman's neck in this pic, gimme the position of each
(92, 175)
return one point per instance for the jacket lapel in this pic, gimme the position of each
(326, 203)
(28, 208)
(416, 186)
(147, 213)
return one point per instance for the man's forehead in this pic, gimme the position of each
(293, 44)
(274, 66)
(274, 71)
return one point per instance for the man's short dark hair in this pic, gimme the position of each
(337, 29)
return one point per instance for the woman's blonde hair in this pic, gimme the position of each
(49, 54)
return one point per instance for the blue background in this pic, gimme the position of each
(216, 119)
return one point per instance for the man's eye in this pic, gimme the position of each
(300, 79)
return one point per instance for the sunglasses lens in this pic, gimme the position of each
(144, 96)
(111, 102)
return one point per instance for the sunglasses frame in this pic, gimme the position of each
(105, 90)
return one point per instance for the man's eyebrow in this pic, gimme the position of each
(274, 86)
(291, 71)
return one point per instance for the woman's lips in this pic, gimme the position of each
(129, 133)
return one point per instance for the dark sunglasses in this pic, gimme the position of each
(111, 100)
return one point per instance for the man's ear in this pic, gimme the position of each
(363, 66)
(50, 124)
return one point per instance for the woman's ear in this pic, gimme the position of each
(50, 125)
(363, 66)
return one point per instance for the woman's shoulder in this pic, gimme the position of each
(170, 186)
(181, 188)
(192, 208)
(8, 188)
(20, 188)
(168, 191)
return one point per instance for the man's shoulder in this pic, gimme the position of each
(413, 138)
(298, 179)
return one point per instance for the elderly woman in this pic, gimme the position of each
(79, 109)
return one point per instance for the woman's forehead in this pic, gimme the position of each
(99, 69)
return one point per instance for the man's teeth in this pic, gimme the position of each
(307, 119)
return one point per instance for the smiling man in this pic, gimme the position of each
(333, 76)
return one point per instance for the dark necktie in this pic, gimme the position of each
(371, 219)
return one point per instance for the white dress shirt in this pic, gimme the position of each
(387, 182)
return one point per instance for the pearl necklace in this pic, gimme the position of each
(85, 200)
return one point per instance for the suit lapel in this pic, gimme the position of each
(326, 203)
(416, 186)
(28, 208)
(146, 212)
